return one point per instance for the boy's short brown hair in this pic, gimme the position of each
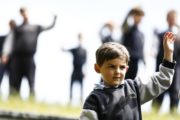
(111, 50)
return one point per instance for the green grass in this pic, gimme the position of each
(155, 116)
(16, 104)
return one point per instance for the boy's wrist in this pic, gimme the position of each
(168, 57)
(169, 64)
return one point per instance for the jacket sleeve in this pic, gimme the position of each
(90, 108)
(158, 82)
(88, 115)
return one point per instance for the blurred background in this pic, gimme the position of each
(54, 67)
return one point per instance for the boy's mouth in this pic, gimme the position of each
(116, 78)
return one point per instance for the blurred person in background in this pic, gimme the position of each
(4, 61)
(79, 54)
(106, 32)
(174, 89)
(133, 39)
(21, 49)
(2, 39)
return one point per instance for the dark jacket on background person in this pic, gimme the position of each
(2, 39)
(79, 59)
(2, 66)
(133, 39)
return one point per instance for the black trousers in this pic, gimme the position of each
(21, 66)
(77, 76)
(4, 68)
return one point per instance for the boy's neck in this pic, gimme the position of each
(106, 86)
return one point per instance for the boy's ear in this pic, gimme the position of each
(97, 68)
(127, 68)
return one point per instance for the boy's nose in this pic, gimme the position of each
(118, 70)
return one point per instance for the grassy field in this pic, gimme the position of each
(31, 106)
(155, 116)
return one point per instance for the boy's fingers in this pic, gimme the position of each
(172, 37)
(166, 35)
(169, 36)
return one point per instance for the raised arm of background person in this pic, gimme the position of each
(52, 24)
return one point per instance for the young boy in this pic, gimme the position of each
(119, 99)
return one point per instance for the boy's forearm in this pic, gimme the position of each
(168, 56)
(168, 44)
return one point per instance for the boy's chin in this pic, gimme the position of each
(116, 84)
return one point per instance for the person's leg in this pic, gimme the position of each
(173, 100)
(81, 89)
(30, 73)
(15, 76)
(71, 89)
(2, 70)
(174, 91)
(157, 102)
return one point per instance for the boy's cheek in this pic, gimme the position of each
(108, 74)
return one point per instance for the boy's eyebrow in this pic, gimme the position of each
(110, 64)
(114, 65)
(123, 65)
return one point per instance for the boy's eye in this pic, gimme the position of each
(111, 66)
(122, 67)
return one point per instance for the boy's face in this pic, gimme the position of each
(113, 71)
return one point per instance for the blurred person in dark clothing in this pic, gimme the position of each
(23, 47)
(133, 39)
(4, 62)
(174, 89)
(2, 39)
(79, 54)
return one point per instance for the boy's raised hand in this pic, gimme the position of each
(168, 43)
